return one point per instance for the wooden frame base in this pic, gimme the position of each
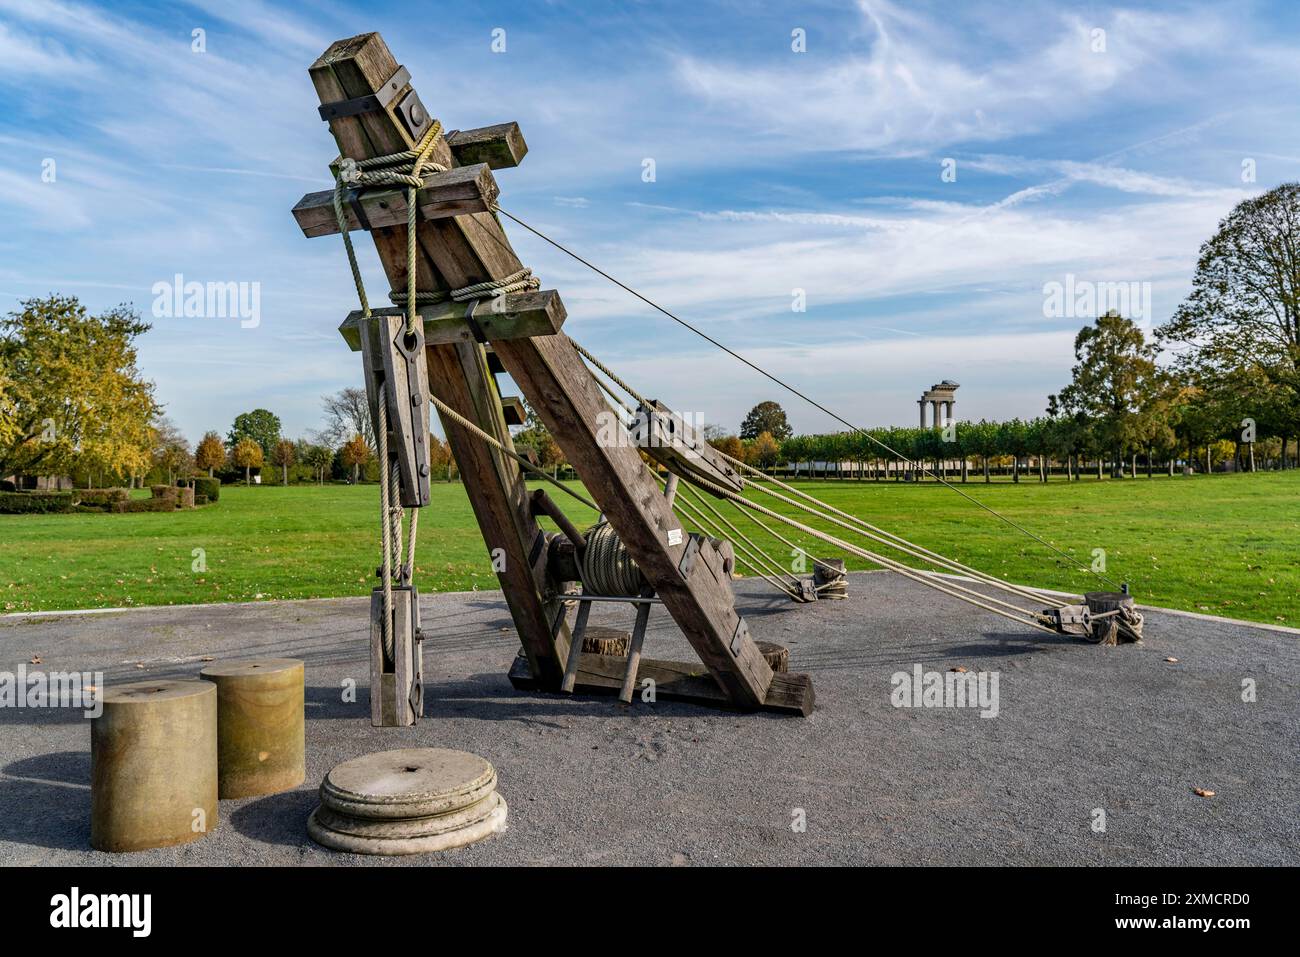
(674, 681)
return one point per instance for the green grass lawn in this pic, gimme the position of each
(1227, 544)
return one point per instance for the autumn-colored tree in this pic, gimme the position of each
(764, 451)
(247, 455)
(171, 451)
(355, 453)
(211, 453)
(729, 445)
(439, 456)
(73, 397)
(284, 454)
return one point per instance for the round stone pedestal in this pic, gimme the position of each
(261, 744)
(410, 801)
(153, 758)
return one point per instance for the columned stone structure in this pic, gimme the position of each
(941, 400)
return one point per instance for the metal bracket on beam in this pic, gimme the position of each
(688, 556)
(739, 636)
(372, 103)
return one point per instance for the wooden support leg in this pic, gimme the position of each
(698, 596)
(575, 647)
(634, 648)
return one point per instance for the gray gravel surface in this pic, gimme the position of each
(591, 781)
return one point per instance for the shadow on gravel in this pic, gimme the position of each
(45, 801)
(277, 819)
(1006, 644)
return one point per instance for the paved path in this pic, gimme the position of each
(589, 781)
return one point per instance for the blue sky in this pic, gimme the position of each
(775, 171)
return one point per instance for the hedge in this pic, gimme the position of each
(26, 503)
(100, 497)
(209, 487)
(146, 505)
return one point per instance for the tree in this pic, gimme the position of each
(535, 436)
(347, 413)
(729, 445)
(284, 454)
(439, 456)
(319, 457)
(247, 455)
(261, 426)
(211, 453)
(1114, 378)
(766, 417)
(1243, 314)
(171, 451)
(765, 452)
(73, 396)
(355, 453)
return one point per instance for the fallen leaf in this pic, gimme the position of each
(1201, 792)
(207, 658)
(36, 659)
(959, 669)
(1172, 660)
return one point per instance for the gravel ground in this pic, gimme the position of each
(590, 781)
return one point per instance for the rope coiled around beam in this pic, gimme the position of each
(607, 568)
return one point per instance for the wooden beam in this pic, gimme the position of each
(513, 408)
(559, 387)
(469, 189)
(671, 442)
(501, 146)
(458, 374)
(673, 681)
(521, 315)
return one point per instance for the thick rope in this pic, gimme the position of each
(460, 420)
(386, 533)
(924, 578)
(794, 391)
(520, 281)
(864, 528)
(607, 566)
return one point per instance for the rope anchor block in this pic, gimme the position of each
(671, 441)
(396, 374)
(396, 682)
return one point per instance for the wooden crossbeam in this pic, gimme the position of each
(520, 315)
(458, 373)
(513, 408)
(501, 146)
(469, 189)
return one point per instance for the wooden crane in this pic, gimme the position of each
(373, 111)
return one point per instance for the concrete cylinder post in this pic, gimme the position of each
(260, 728)
(153, 765)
